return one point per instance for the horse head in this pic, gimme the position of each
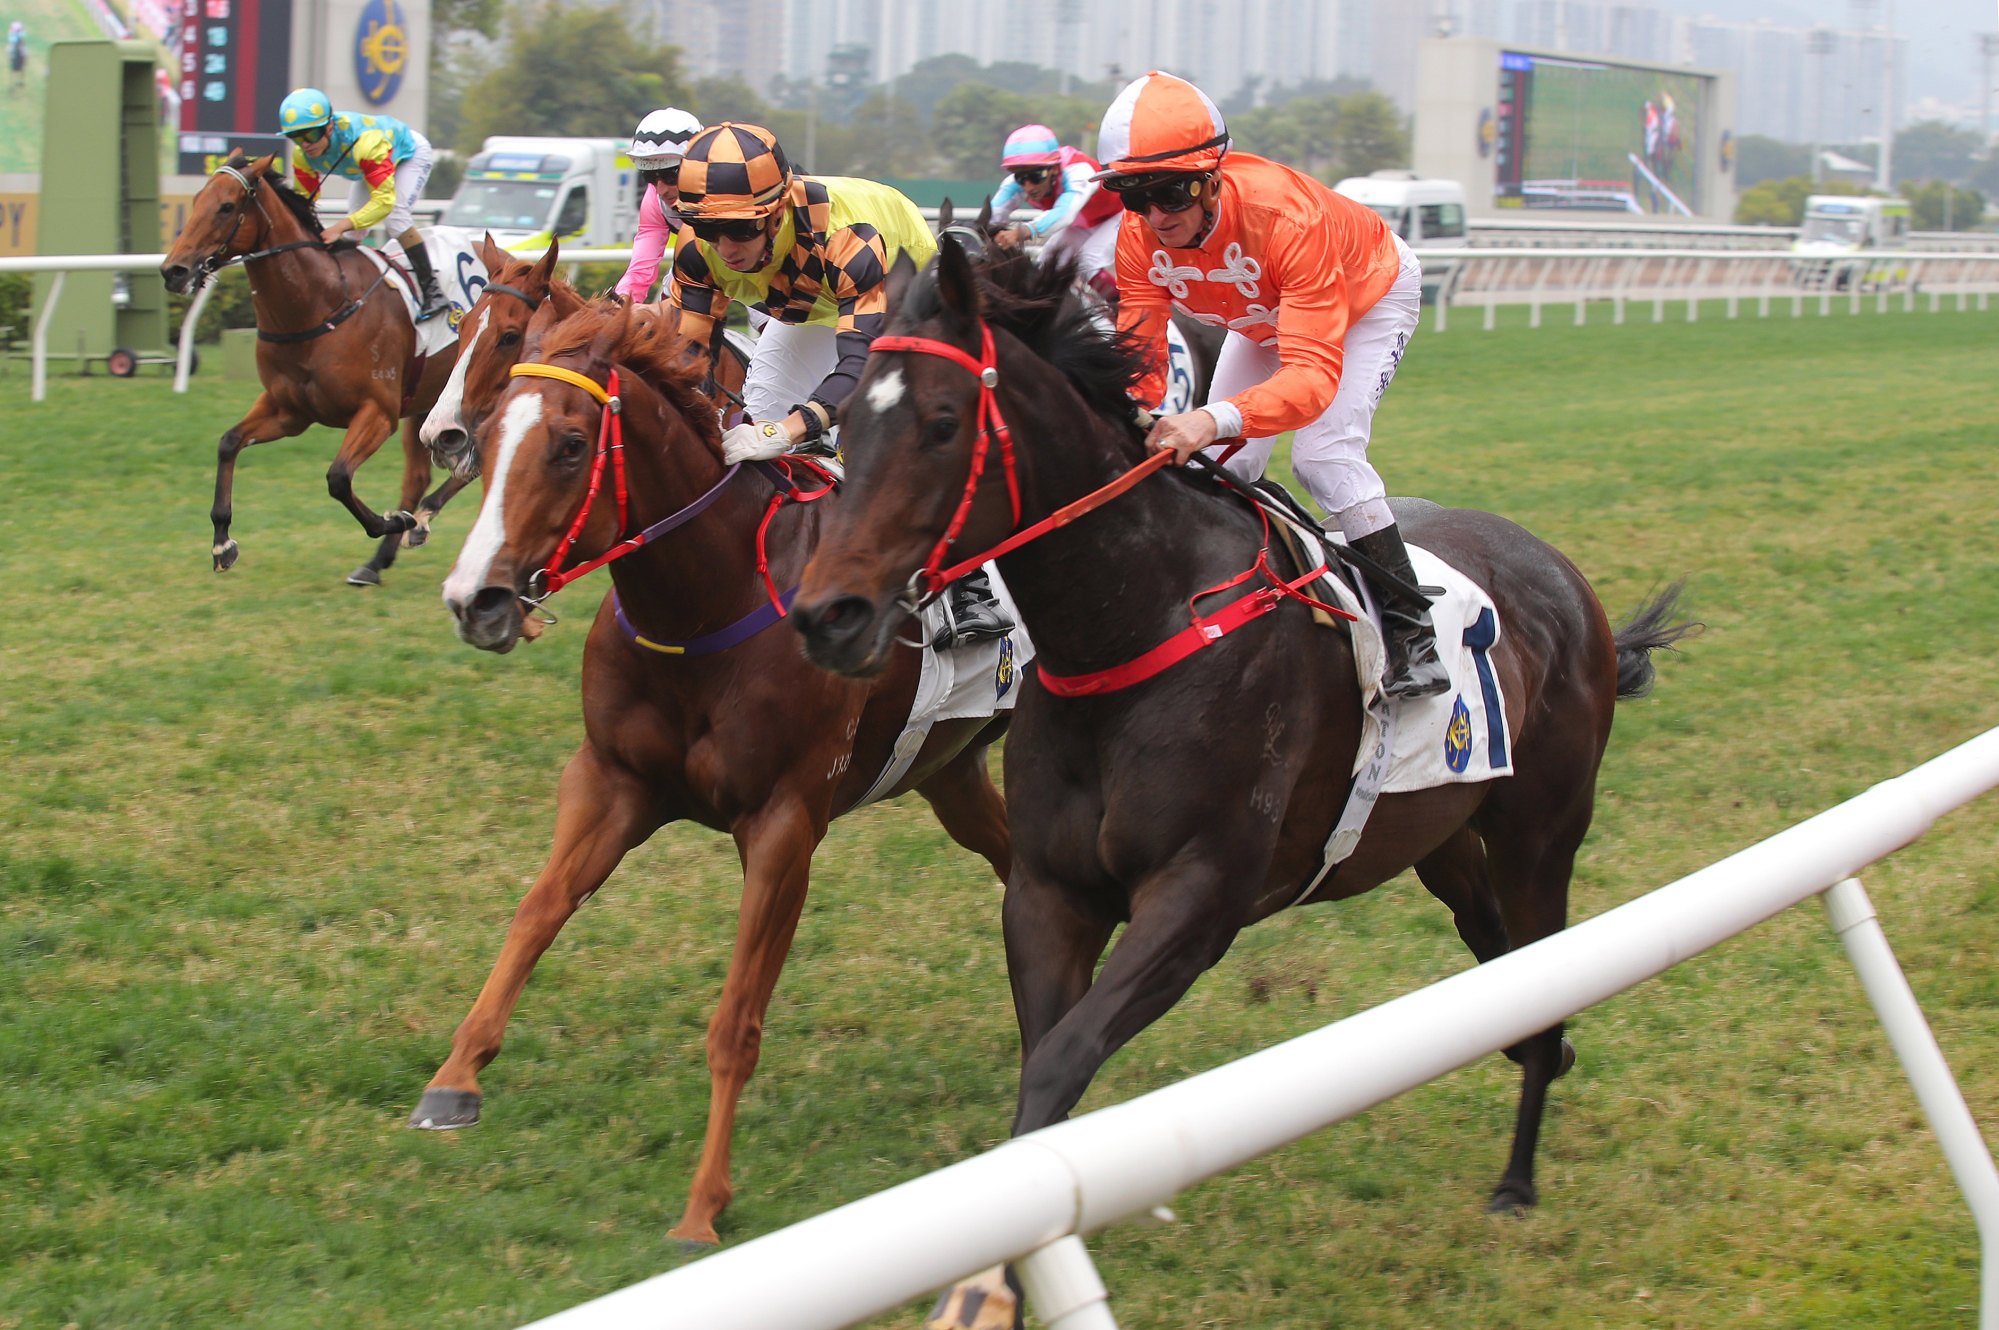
(230, 218)
(914, 429)
(519, 295)
(544, 450)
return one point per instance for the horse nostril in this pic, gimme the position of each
(836, 622)
(490, 600)
(174, 275)
(447, 443)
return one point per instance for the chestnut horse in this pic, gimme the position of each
(691, 712)
(1197, 802)
(519, 293)
(335, 347)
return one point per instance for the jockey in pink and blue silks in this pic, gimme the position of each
(658, 145)
(1049, 196)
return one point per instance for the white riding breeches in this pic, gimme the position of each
(412, 174)
(791, 360)
(1094, 247)
(1329, 454)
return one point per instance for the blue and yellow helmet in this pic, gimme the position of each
(304, 108)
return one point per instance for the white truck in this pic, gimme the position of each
(584, 192)
(1426, 212)
(1839, 230)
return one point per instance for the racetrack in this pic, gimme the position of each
(263, 832)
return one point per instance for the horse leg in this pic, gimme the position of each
(431, 506)
(1183, 920)
(970, 809)
(371, 425)
(1455, 873)
(1532, 857)
(264, 422)
(1052, 950)
(776, 847)
(416, 475)
(602, 811)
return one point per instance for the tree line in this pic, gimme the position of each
(556, 69)
(1946, 174)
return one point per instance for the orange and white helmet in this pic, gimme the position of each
(1161, 123)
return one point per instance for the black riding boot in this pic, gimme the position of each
(971, 613)
(430, 301)
(1413, 667)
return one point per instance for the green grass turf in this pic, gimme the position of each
(262, 833)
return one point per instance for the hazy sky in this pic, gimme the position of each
(1943, 34)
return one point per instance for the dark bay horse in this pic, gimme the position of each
(1193, 804)
(522, 295)
(335, 347)
(691, 711)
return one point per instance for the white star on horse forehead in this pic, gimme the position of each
(886, 391)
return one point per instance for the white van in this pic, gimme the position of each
(1422, 211)
(525, 190)
(1838, 229)
(1425, 212)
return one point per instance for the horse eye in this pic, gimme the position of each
(942, 430)
(573, 446)
(227, 207)
(510, 337)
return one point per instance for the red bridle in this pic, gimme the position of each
(992, 425)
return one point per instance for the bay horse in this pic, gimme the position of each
(1197, 802)
(521, 295)
(335, 346)
(691, 712)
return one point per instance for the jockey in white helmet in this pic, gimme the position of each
(658, 144)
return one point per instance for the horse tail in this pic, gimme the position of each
(1650, 628)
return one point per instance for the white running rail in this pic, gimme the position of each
(1028, 1201)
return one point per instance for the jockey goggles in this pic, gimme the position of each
(661, 175)
(1173, 192)
(304, 136)
(741, 230)
(1032, 175)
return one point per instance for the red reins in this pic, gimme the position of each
(1198, 634)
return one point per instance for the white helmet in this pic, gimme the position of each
(661, 138)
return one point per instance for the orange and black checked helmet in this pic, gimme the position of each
(733, 172)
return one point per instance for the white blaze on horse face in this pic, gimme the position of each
(886, 391)
(489, 534)
(445, 413)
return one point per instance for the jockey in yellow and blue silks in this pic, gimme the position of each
(388, 162)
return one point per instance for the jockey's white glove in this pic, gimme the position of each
(754, 443)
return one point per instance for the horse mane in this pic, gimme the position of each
(1038, 304)
(298, 204)
(652, 348)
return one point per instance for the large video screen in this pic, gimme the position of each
(1584, 134)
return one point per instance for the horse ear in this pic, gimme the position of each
(986, 217)
(491, 254)
(262, 166)
(611, 333)
(945, 214)
(900, 274)
(544, 268)
(955, 283)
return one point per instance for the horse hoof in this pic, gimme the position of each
(1568, 1059)
(364, 576)
(445, 1110)
(398, 522)
(694, 1237)
(1512, 1198)
(225, 556)
(417, 534)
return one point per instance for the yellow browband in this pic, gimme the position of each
(588, 385)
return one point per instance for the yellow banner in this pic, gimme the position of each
(20, 209)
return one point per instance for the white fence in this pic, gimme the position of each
(38, 344)
(1489, 278)
(1029, 1200)
(1469, 277)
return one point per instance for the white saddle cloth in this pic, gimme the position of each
(979, 680)
(1457, 735)
(456, 265)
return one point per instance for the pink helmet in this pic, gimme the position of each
(1031, 145)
